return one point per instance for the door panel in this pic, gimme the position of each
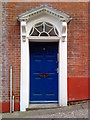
(43, 72)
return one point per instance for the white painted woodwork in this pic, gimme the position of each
(25, 28)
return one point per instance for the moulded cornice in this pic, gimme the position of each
(44, 9)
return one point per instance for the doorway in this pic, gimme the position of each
(43, 72)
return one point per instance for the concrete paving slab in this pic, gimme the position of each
(72, 111)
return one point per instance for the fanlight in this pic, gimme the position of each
(43, 29)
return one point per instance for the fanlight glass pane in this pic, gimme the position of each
(44, 34)
(52, 33)
(40, 28)
(43, 29)
(48, 24)
(38, 24)
(35, 33)
(56, 31)
(47, 28)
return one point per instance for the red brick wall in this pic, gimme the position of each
(77, 48)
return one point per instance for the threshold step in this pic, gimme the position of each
(42, 106)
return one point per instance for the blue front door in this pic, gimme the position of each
(43, 72)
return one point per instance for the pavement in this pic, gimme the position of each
(71, 111)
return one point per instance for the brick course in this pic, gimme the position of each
(77, 42)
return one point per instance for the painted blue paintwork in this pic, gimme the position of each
(43, 60)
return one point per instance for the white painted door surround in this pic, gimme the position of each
(27, 21)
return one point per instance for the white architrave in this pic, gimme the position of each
(26, 25)
(24, 82)
(63, 66)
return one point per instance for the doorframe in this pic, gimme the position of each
(62, 82)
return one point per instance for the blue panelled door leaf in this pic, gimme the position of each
(43, 72)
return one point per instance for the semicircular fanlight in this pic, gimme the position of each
(43, 29)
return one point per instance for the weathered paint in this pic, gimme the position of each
(77, 88)
(5, 106)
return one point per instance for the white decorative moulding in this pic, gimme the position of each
(64, 31)
(23, 29)
(44, 9)
(34, 31)
(24, 38)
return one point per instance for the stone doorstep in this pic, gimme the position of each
(54, 105)
(42, 106)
